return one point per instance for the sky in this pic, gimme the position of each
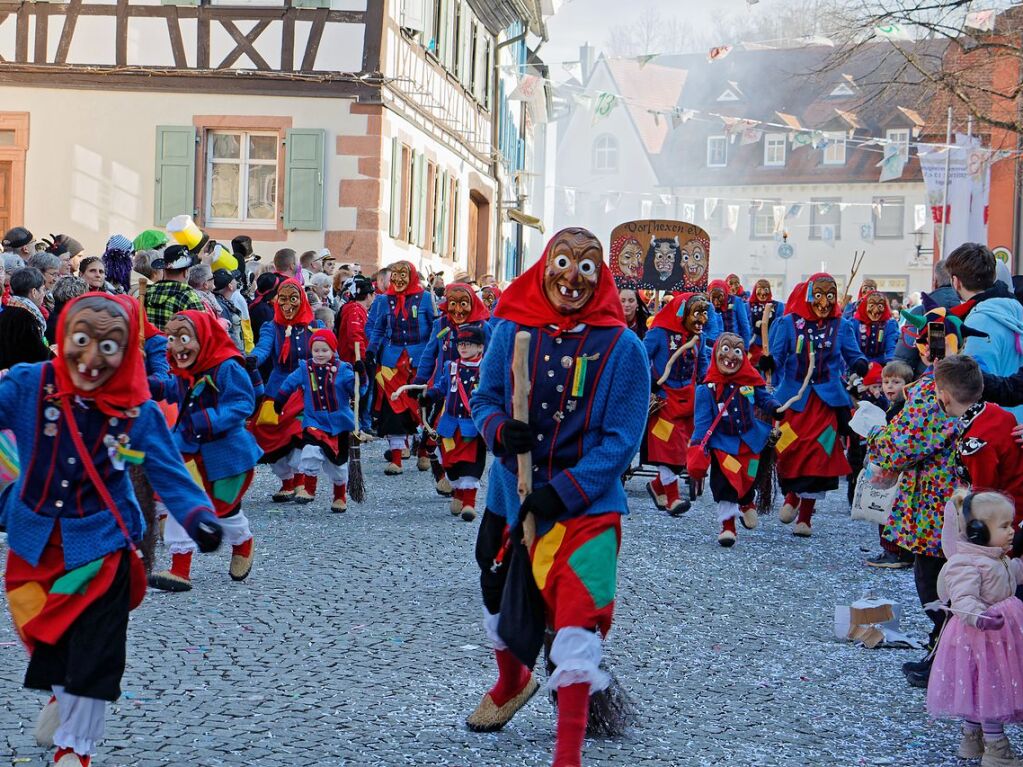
(580, 21)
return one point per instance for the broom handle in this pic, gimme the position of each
(520, 412)
(358, 358)
(143, 284)
(674, 358)
(765, 321)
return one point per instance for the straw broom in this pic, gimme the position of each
(140, 482)
(356, 482)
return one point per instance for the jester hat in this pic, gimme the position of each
(956, 331)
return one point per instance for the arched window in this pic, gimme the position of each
(605, 154)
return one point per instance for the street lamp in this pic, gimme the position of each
(920, 249)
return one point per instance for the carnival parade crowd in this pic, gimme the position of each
(141, 389)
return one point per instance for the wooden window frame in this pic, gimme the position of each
(15, 153)
(816, 228)
(724, 140)
(771, 142)
(875, 219)
(206, 124)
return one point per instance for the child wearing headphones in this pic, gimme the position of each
(977, 674)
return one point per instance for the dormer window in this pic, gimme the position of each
(728, 95)
(842, 90)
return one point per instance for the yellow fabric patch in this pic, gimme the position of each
(663, 429)
(385, 374)
(730, 464)
(266, 415)
(449, 444)
(788, 436)
(26, 603)
(193, 472)
(544, 553)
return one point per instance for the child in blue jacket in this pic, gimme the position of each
(327, 385)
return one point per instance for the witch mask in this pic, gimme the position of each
(290, 301)
(94, 342)
(762, 290)
(823, 297)
(876, 305)
(729, 353)
(182, 342)
(694, 318)
(401, 276)
(459, 304)
(572, 270)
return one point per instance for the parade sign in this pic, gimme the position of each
(660, 255)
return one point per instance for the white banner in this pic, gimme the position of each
(969, 187)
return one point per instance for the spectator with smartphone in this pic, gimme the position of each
(942, 294)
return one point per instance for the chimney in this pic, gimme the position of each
(585, 61)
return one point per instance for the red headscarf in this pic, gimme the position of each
(215, 346)
(670, 316)
(478, 311)
(802, 295)
(128, 387)
(719, 284)
(327, 336)
(744, 376)
(742, 290)
(753, 295)
(525, 302)
(861, 309)
(413, 289)
(495, 290)
(305, 312)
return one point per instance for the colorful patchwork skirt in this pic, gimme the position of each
(575, 566)
(810, 455)
(278, 435)
(668, 430)
(225, 494)
(400, 416)
(732, 476)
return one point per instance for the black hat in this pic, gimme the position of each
(241, 247)
(471, 333)
(175, 257)
(222, 278)
(18, 237)
(267, 282)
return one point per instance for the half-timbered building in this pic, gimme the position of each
(366, 126)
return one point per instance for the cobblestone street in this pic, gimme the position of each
(357, 641)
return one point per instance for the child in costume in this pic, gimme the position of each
(72, 520)
(461, 306)
(978, 667)
(810, 456)
(678, 326)
(490, 295)
(869, 389)
(869, 285)
(215, 397)
(583, 361)
(987, 454)
(285, 342)
(876, 330)
(462, 450)
(398, 334)
(327, 386)
(728, 438)
(759, 301)
(732, 316)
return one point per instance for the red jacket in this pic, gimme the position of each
(351, 328)
(989, 456)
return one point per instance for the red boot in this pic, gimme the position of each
(241, 560)
(306, 492)
(394, 466)
(573, 708)
(178, 578)
(788, 509)
(287, 491)
(727, 535)
(469, 504)
(66, 757)
(803, 523)
(515, 686)
(676, 506)
(340, 499)
(656, 490)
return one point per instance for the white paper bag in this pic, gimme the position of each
(867, 417)
(872, 503)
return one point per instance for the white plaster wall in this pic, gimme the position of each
(93, 175)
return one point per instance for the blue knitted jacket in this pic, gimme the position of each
(53, 488)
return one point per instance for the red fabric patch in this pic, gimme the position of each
(806, 457)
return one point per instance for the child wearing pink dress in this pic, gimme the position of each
(977, 674)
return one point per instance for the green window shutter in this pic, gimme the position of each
(308, 3)
(175, 173)
(395, 222)
(303, 179)
(424, 199)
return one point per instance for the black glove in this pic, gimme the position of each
(778, 414)
(279, 403)
(544, 503)
(251, 363)
(515, 437)
(427, 397)
(359, 367)
(766, 364)
(860, 367)
(370, 359)
(204, 528)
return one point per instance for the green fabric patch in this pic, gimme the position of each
(595, 563)
(753, 466)
(227, 490)
(78, 580)
(827, 440)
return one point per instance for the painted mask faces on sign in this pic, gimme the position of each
(182, 342)
(665, 252)
(401, 275)
(763, 291)
(573, 267)
(630, 260)
(876, 304)
(695, 318)
(825, 294)
(459, 305)
(290, 301)
(694, 262)
(729, 353)
(94, 344)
